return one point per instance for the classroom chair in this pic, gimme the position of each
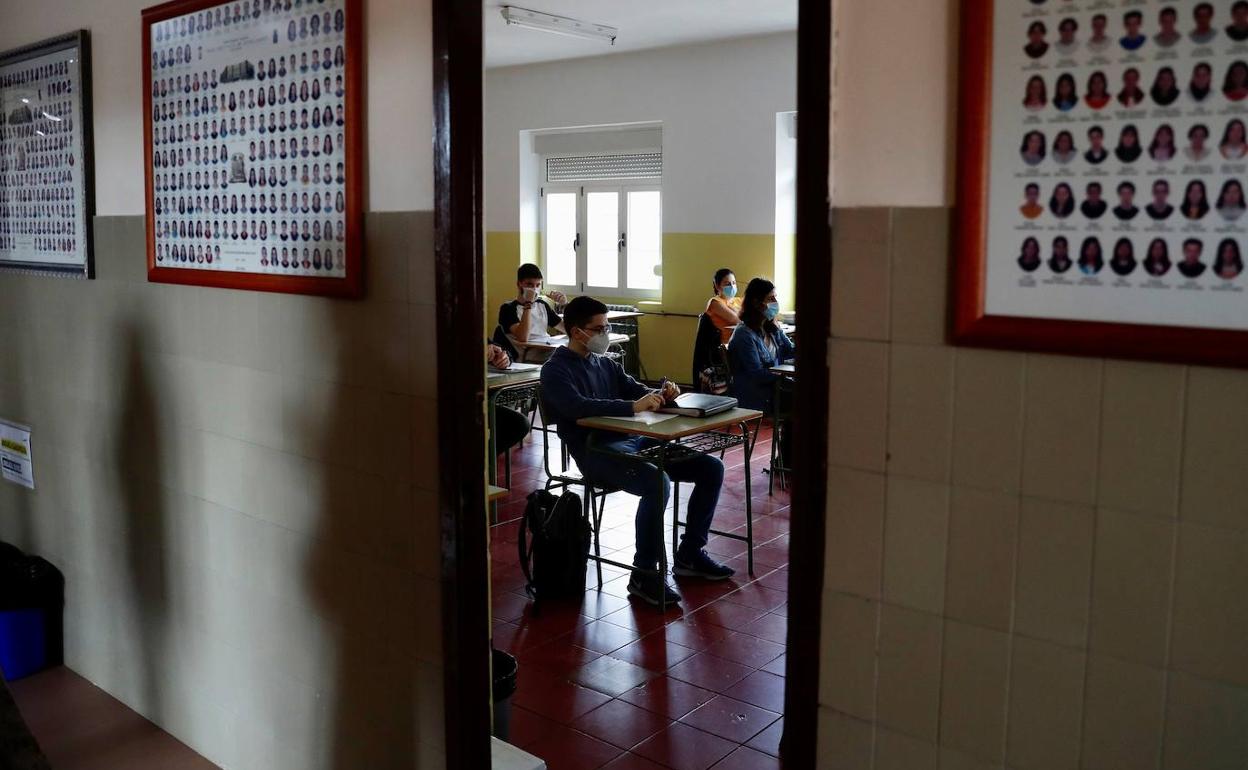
(595, 497)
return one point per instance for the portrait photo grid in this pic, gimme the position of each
(248, 133)
(43, 207)
(1118, 162)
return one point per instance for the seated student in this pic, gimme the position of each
(757, 345)
(725, 305)
(579, 381)
(530, 317)
(510, 427)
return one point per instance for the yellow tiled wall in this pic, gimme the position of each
(242, 492)
(1033, 561)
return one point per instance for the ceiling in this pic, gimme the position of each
(642, 23)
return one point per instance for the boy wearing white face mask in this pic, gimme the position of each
(529, 317)
(758, 344)
(578, 382)
(724, 307)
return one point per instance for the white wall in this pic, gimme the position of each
(717, 103)
(397, 78)
(894, 115)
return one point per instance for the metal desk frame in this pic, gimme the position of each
(713, 436)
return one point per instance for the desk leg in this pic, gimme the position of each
(675, 516)
(662, 545)
(492, 462)
(748, 449)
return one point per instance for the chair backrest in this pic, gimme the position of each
(500, 338)
(704, 342)
(541, 410)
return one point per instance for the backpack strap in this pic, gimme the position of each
(525, 551)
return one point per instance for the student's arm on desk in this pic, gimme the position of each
(574, 405)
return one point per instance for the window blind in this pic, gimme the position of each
(605, 167)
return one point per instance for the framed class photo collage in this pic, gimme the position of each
(1103, 159)
(252, 138)
(47, 192)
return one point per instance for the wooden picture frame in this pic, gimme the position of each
(257, 33)
(55, 233)
(973, 321)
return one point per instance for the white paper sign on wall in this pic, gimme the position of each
(16, 460)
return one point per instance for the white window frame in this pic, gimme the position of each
(582, 286)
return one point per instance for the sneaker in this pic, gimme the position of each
(651, 589)
(701, 565)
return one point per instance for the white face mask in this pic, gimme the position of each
(528, 293)
(598, 343)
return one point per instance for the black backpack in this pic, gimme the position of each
(554, 562)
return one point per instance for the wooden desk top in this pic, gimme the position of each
(496, 381)
(495, 493)
(677, 427)
(785, 369)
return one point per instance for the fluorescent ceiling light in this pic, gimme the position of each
(559, 25)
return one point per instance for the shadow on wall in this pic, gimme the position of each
(356, 574)
(141, 455)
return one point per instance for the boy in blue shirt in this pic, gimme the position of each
(579, 381)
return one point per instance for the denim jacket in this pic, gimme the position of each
(751, 362)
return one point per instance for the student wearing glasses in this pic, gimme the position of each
(578, 382)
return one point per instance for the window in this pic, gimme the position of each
(602, 224)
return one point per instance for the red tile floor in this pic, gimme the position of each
(613, 683)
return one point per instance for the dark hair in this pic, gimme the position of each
(1237, 260)
(1062, 209)
(1157, 266)
(1227, 186)
(1168, 11)
(1239, 66)
(1152, 147)
(1096, 130)
(1132, 14)
(1123, 266)
(1226, 133)
(720, 275)
(1126, 186)
(1200, 126)
(1196, 241)
(1240, 5)
(527, 271)
(1202, 208)
(751, 315)
(1202, 7)
(580, 310)
(1028, 135)
(1100, 16)
(1037, 26)
(1072, 97)
(1094, 186)
(1068, 22)
(1030, 186)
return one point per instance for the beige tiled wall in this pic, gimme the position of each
(241, 490)
(1033, 561)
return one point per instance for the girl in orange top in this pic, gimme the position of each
(725, 305)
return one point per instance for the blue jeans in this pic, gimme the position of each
(642, 478)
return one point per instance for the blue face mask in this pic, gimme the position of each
(772, 310)
(729, 291)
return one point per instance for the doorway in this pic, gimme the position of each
(459, 153)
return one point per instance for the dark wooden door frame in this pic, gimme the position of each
(459, 262)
